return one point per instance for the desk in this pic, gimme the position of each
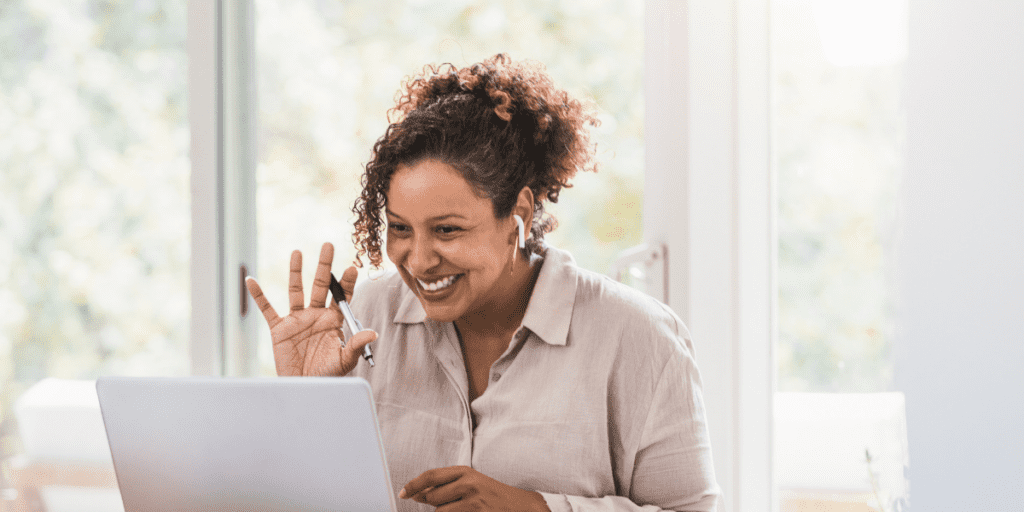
(29, 477)
(817, 500)
(65, 447)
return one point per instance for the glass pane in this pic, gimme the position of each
(328, 72)
(94, 227)
(838, 129)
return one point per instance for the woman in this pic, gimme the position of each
(506, 377)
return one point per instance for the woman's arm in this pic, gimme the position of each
(672, 469)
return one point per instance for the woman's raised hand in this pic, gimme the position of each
(308, 341)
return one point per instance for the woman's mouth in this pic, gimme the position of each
(439, 284)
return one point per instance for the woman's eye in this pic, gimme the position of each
(398, 228)
(448, 230)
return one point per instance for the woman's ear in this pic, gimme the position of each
(524, 207)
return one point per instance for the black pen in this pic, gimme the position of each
(353, 325)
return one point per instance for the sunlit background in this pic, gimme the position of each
(94, 226)
(838, 126)
(838, 130)
(94, 198)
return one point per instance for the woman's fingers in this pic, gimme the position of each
(442, 494)
(348, 282)
(295, 282)
(322, 279)
(262, 302)
(353, 348)
(431, 478)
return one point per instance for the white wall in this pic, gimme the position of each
(960, 348)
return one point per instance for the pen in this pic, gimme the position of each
(353, 325)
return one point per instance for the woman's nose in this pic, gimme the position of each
(422, 255)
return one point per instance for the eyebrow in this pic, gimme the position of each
(439, 217)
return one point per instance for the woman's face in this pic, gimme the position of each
(448, 246)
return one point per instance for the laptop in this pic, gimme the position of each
(232, 444)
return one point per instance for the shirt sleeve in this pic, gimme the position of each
(673, 467)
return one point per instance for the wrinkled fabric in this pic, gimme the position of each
(596, 403)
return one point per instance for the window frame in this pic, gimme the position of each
(222, 114)
(206, 341)
(707, 136)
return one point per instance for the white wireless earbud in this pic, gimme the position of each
(522, 231)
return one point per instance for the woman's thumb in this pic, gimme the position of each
(359, 340)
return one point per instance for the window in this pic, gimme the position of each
(838, 127)
(94, 209)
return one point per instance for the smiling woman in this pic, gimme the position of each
(507, 377)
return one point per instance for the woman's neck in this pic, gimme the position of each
(500, 316)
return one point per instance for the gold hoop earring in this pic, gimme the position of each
(513, 265)
(520, 241)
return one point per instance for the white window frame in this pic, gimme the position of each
(222, 118)
(708, 197)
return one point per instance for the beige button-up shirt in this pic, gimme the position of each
(596, 403)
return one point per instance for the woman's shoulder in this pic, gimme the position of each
(635, 337)
(600, 295)
(594, 286)
(603, 308)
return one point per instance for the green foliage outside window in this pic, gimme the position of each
(94, 197)
(838, 134)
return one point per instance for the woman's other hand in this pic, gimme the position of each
(308, 341)
(462, 488)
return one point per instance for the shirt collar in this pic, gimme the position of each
(410, 311)
(549, 311)
(550, 308)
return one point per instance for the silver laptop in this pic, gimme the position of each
(225, 444)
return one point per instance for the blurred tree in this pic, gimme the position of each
(94, 200)
(838, 134)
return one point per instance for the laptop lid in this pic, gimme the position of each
(227, 444)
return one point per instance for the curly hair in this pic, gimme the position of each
(502, 124)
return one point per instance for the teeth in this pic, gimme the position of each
(438, 285)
